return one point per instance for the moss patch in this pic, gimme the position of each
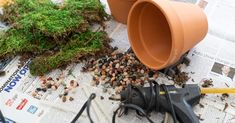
(63, 30)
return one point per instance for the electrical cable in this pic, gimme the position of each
(86, 105)
(154, 96)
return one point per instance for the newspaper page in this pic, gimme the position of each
(214, 58)
(18, 105)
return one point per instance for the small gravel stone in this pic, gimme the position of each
(54, 87)
(49, 78)
(44, 81)
(64, 98)
(142, 71)
(2, 73)
(34, 94)
(61, 95)
(117, 65)
(66, 93)
(38, 89)
(49, 86)
(71, 98)
(207, 83)
(118, 70)
(44, 89)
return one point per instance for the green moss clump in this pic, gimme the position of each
(52, 23)
(14, 41)
(87, 43)
(40, 26)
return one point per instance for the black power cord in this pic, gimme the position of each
(2, 117)
(154, 96)
(86, 106)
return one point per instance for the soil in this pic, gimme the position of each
(207, 83)
(181, 78)
(224, 96)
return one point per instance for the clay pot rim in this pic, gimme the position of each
(175, 29)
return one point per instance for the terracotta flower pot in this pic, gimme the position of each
(160, 31)
(120, 9)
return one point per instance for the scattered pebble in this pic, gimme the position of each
(101, 97)
(49, 85)
(64, 98)
(49, 78)
(207, 83)
(224, 96)
(71, 98)
(118, 70)
(2, 73)
(203, 95)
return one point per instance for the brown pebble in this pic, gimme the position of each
(207, 83)
(112, 79)
(103, 67)
(75, 84)
(49, 78)
(57, 84)
(103, 73)
(71, 83)
(64, 98)
(103, 77)
(125, 73)
(52, 82)
(43, 85)
(61, 95)
(71, 98)
(125, 79)
(66, 90)
(96, 71)
(34, 94)
(54, 87)
(44, 81)
(2, 73)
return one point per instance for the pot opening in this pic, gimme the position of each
(150, 34)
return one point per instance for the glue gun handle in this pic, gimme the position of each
(185, 113)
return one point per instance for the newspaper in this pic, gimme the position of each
(213, 58)
(208, 59)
